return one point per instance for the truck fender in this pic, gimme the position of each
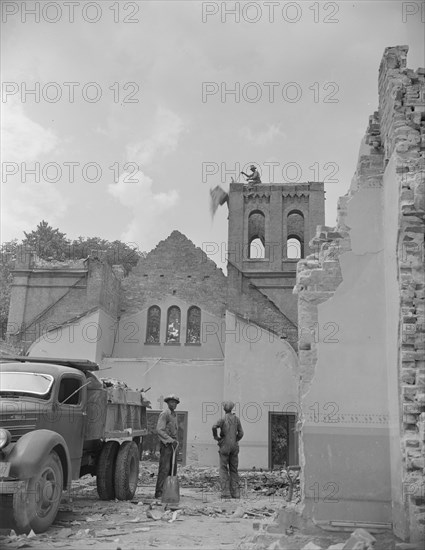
(32, 449)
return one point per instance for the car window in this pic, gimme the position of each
(32, 384)
(68, 391)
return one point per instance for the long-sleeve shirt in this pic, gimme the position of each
(231, 430)
(167, 427)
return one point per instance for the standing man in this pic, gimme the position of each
(231, 433)
(166, 429)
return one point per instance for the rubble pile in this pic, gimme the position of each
(266, 483)
(113, 383)
(360, 539)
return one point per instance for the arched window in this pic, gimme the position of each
(153, 325)
(293, 248)
(256, 249)
(193, 334)
(173, 324)
(295, 235)
(256, 234)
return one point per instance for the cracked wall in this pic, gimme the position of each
(362, 388)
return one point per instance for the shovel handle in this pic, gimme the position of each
(174, 458)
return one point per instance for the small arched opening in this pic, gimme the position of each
(294, 249)
(295, 235)
(256, 235)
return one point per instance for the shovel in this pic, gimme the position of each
(171, 490)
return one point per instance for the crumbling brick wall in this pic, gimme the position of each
(392, 159)
(48, 294)
(245, 299)
(402, 112)
(175, 266)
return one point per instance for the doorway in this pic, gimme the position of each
(283, 440)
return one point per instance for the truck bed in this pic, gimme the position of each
(114, 412)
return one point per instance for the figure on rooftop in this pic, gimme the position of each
(254, 178)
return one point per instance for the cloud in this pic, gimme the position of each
(164, 139)
(148, 208)
(24, 140)
(135, 191)
(263, 138)
(26, 202)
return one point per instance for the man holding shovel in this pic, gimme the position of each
(166, 429)
(231, 433)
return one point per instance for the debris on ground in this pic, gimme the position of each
(84, 521)
(262, 483)
(360, 539)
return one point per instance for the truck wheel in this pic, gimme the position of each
(36, 503)
(127, 471)
(105, 470)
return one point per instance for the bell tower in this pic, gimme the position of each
(270, 227)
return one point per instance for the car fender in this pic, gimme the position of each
(30, 451)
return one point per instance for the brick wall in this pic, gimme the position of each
(48, 294)
(402, 123)
(177, 267)
(391, 160)
(244, 299)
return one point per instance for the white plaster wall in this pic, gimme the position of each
(260, 375)
(345, 434)
(131, 336)
(198, 384)
(90, 337)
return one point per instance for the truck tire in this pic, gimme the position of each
(36, 503)
(105, 470)
(127, 471)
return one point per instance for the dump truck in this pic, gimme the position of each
(59, 422)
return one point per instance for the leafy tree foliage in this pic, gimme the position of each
(47, 243)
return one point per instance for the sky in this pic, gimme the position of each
(119, 117)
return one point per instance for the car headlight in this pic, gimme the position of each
(5, 438)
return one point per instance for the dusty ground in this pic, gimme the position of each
(202, 520)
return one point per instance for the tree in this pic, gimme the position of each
(47, 243)
(115, 252)
(8, 251)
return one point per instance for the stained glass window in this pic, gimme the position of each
(193, 335)
(173, 324)
(153, 325)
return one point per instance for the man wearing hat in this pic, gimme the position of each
(254, 177)
(166, 429)
(231, 433)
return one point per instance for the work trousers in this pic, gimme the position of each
(229, 479)
(164, 469)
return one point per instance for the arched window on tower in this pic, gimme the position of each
(293, 248)
(153, 325)
(193, 334)
(257, 250)
(173, 324)
(256, 235)
(295, 235)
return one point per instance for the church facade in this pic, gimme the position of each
(177, 324)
